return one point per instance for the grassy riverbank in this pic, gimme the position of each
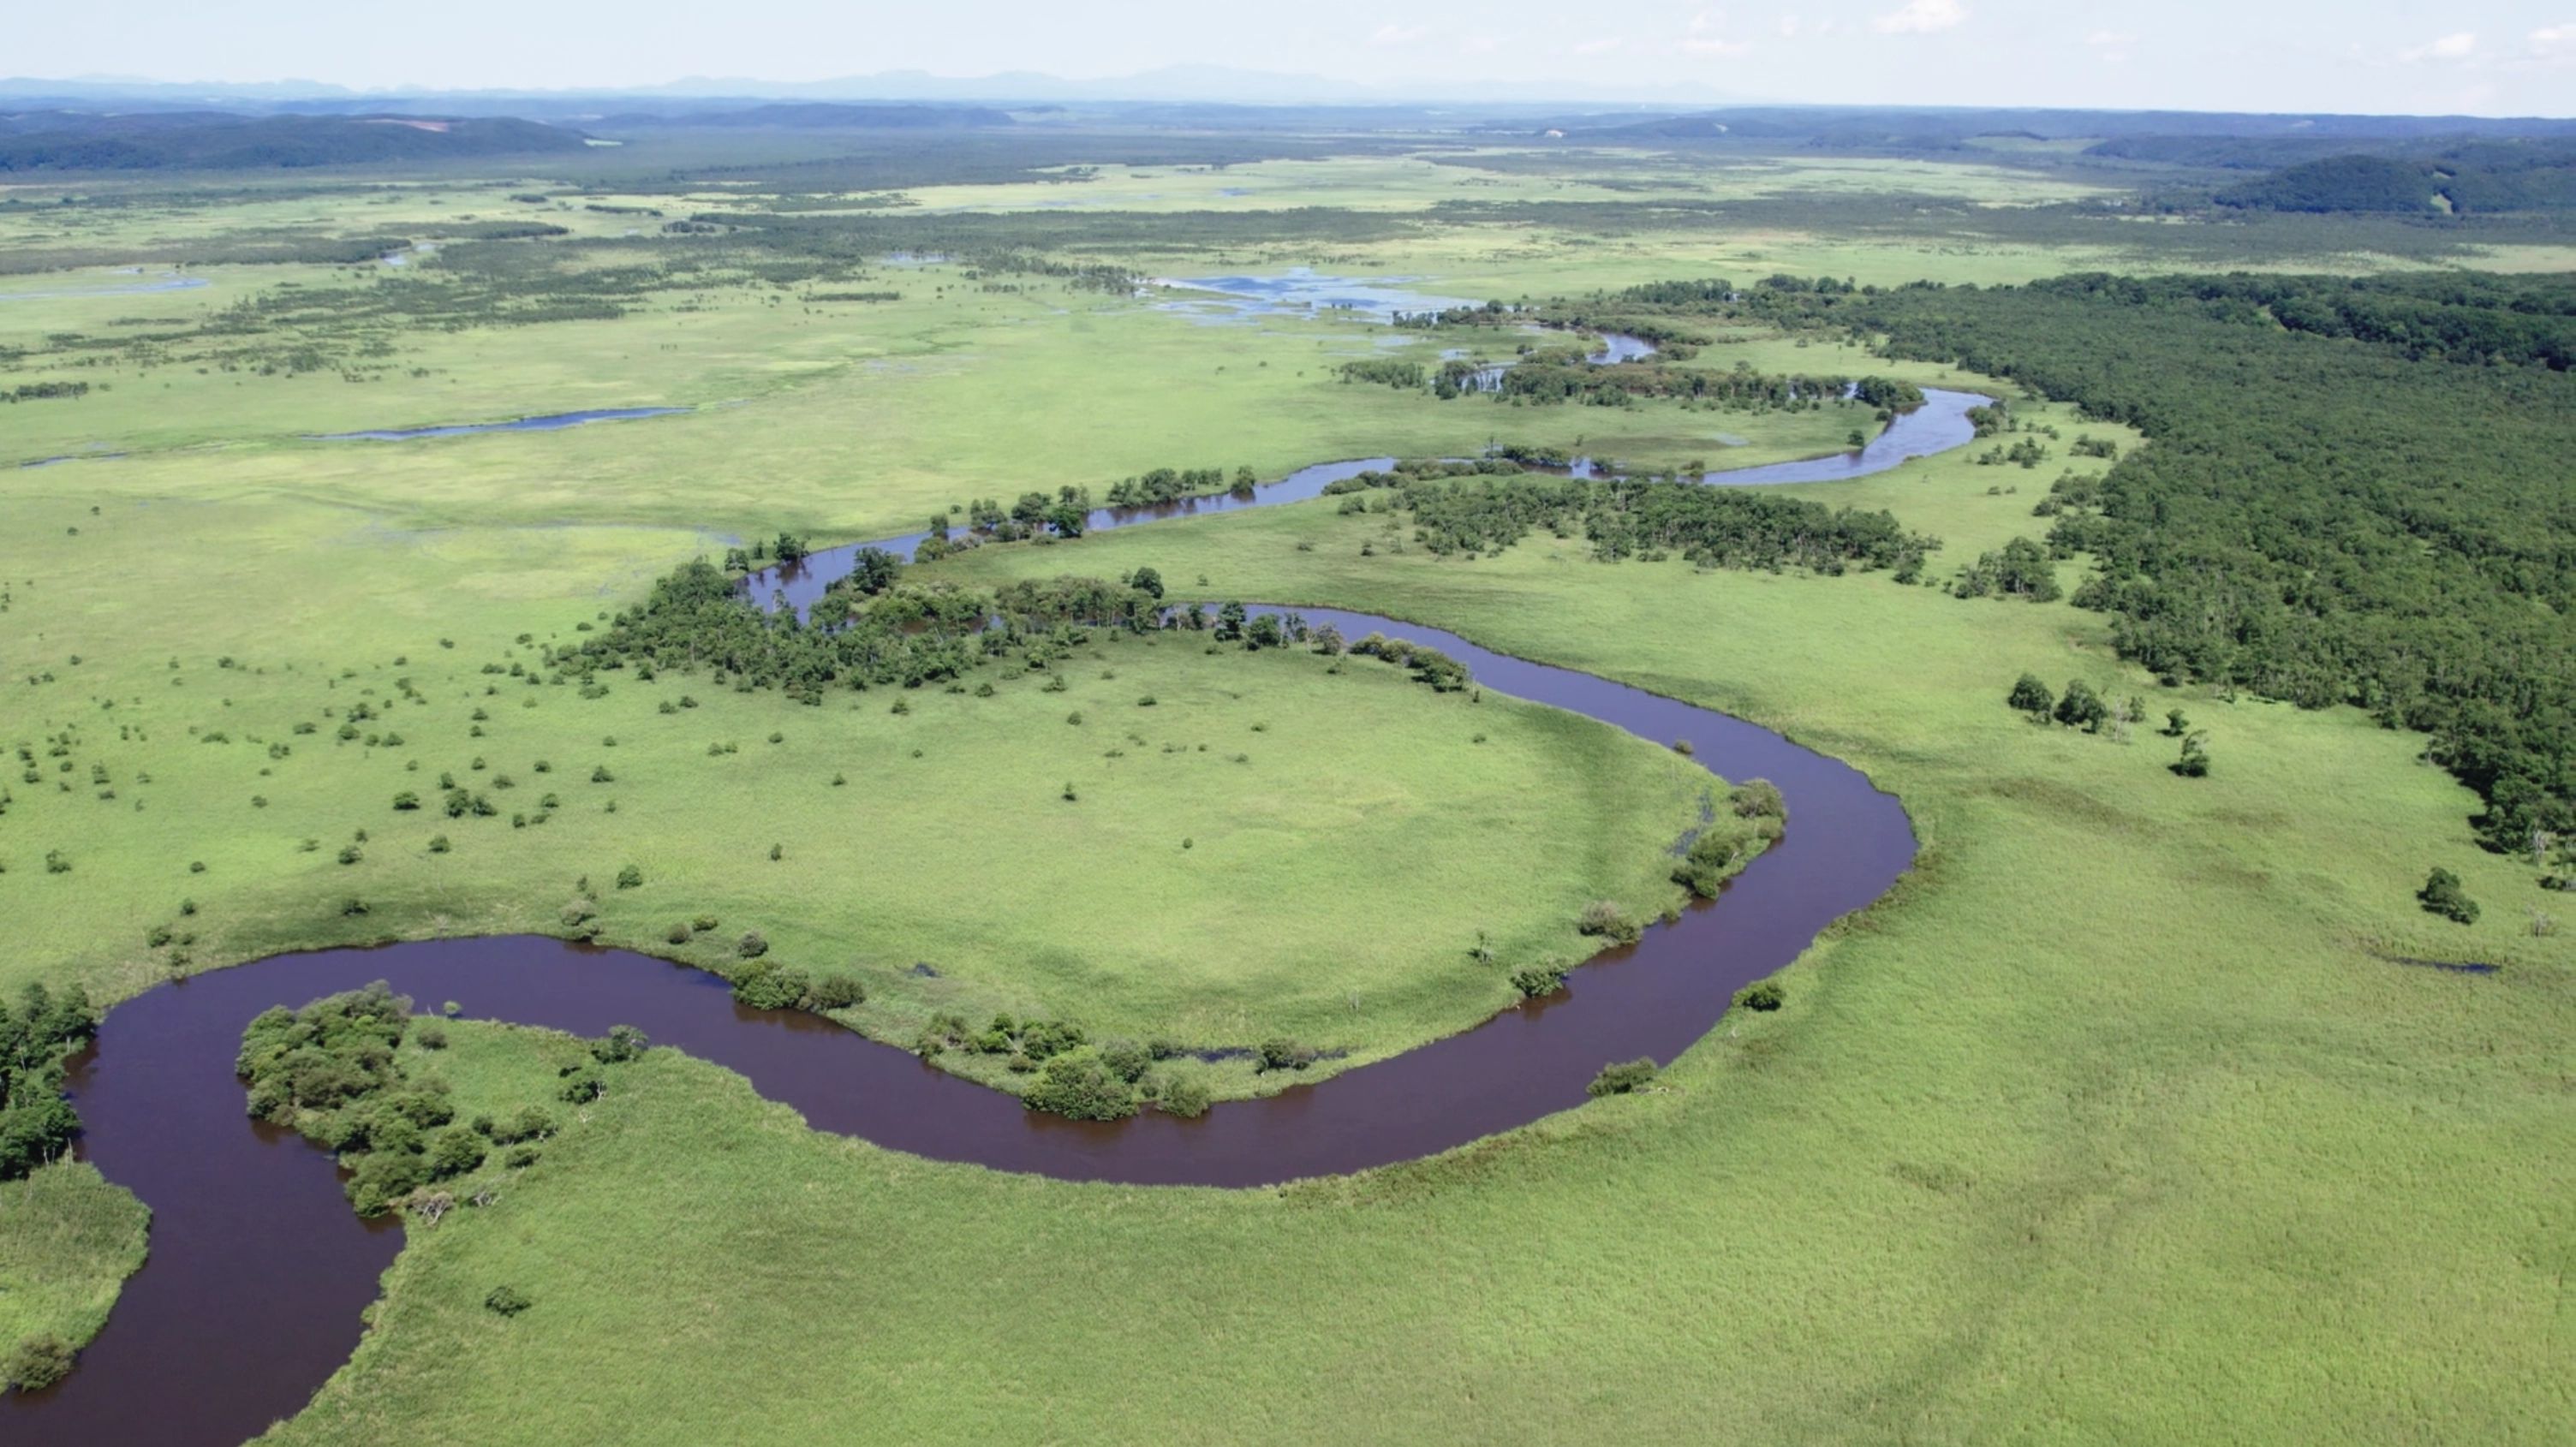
(68, 1239)
(2013, 1153)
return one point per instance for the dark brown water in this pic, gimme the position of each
(259, 1271)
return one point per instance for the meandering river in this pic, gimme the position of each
(259, 1271)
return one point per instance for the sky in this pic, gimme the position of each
(2488, 57)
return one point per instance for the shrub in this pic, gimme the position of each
(772, 987)
(1764, 996)
(1281, 1053)
(457, 1150)
(835, 992)
(581, 1085)
(621, 1044)
(1127, 1061)
(2194, 762)
(438, 844)
(2443, 895)
(751, 946)
(703, 923)
(507, 1301)
(1623, 1078)
(36, 1362)
(1541, 979)
(1607, 920)
(1184, 1095)
(406, 800)
(430, 1036)
(1704, 866)
(679, 934)
(631, 877)
(1757, 799)
(1079, 1085)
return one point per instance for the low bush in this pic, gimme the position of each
(2443, 895)
(1623, 1078)
(1183, 1095)
(1080, 1085)
(1534, 981)
(1764, 996)
(1605, 919)
(36, 1362)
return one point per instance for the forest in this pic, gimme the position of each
(2355, 492)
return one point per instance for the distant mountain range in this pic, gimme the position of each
(1199, 83)
(54, 140)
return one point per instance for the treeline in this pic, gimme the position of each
(1167, 484)
(2328, 513)
(1712, 527)
(210, 141)
(2471, 178)
(36, 1123)
(872, 629)
(1545, 381)
(331, 1071)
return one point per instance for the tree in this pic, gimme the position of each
(2443, 895)
(873, 570)
(1147, 581)
(790, 550)
(1229, 622)
(2194, 762)
(2032, 696)
(2081, 707)
(2177, 723)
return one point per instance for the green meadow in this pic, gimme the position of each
(2135, 1112)
(2113, 1121)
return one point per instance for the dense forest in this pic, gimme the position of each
(2479, 177)
(2356, 492)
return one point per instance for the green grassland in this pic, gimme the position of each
(1274, 847)
(68, 1238)
(2120, 1119)
(2111, 1123)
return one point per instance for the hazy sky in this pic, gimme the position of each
(2484, 56)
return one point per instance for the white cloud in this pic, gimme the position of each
(1919, 17)
(1706, 35)
(1481, 44)
(1392, 34)
(1788, 27)
(2551, 39)
(1602, 45)
(2110, 39)
(2455, 46)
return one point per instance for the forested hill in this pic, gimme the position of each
(2481, 177)
(80, 141)
(2355, 491)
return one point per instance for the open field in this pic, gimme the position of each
(2144, 1108)
(1253, 789)
(2015, 1153)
